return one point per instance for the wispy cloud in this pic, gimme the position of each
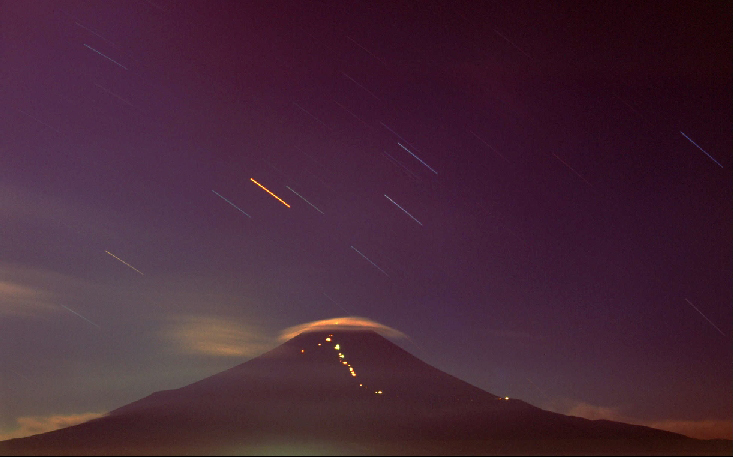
(701, 429)
(215, 336)
(33, 425)
(33, 292)
(341, 323)
(26, 206)
(595, 412)
(23, 301)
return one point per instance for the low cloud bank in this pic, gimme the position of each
(701, 429)
(33, 425)
(208, 335)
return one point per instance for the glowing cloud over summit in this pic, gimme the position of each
(341, 324)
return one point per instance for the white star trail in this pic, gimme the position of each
(367, 259)
(124, 262)
(354, 81)
(309, 114)
(399, 164)
(698, 147)
(571, 169)
(336, 303)
(39, 121)
(232, 204)
(96, 34)
(303, 198)
(69, 309)
(403, 209)
(114, 95)
(418, 158)
(398, 135)
(354, 115)
(512, 43)
(22, 376)
(366, 50)
(111, 60)
(706, 318)
(488, 145)
(93, 32)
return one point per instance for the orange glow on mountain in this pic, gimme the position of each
(343, 324)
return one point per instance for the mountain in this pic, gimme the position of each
(346, 392)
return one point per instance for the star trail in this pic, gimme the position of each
(528, 191)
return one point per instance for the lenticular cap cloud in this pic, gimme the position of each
(341, 324)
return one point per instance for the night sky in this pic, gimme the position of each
(538, 195)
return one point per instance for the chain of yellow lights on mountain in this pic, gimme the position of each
(341, 358)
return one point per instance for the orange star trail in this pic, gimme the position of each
(266, 190)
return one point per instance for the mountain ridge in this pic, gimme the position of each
(354, 390)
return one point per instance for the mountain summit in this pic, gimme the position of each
(336, 392)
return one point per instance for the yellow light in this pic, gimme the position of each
(345, 363)
(341, 356)
(506, 398)
(378, 392)
(302, 351)
(328, 339)
(319, 344)
(353, 374)
(265, 189)
(361, 385)
(337, 347)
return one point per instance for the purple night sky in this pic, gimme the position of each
(538, 194)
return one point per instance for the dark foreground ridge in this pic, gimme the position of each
(351, 392)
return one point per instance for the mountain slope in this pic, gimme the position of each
(345, 392)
